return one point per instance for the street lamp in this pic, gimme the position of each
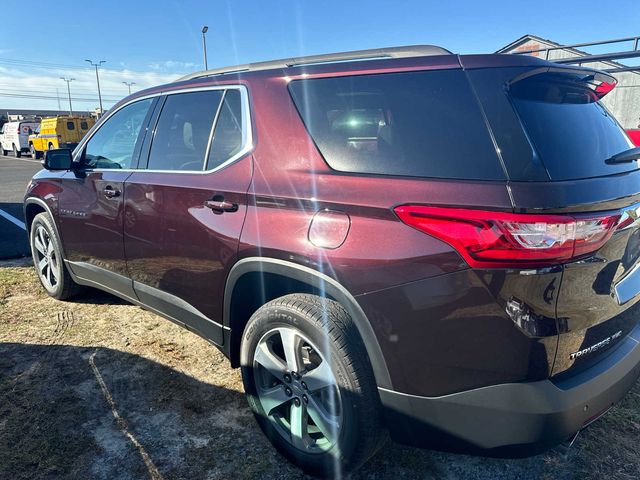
(97, 65)
(204, 46)
(128, 84)
(69, 80)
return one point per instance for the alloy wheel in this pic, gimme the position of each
(46, 260)
(298, 390)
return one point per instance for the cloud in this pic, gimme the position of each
(172, 65)
(40, 88)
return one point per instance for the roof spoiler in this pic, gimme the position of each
(598, 81)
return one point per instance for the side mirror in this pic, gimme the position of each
(59, 159)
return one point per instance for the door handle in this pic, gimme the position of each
(219, 204)
(111, 192)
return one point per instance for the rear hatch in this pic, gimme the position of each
(558, 144)
(24, 130)
(70, 131)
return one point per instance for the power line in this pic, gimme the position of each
(51, 92)
(47, 65)
(47, 97)
(50, 87)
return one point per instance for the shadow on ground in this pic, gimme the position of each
(56, 422)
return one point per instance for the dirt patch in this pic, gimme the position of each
(185, 407)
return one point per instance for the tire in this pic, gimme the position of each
(3, 151)
(50, 147)
(331, 353)
(34, 153)
(16, 152)
(48, 261)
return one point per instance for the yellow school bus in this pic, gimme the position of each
(58, 132)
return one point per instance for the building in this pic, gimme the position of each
(623, 102)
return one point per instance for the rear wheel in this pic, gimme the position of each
(310, 385)
(16, 151)
(47, 259)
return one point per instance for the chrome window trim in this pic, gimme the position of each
(247, 131)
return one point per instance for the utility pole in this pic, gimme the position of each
(58, 97)
(97, 65)
(128, 84)
(204, 46)
(69, 80)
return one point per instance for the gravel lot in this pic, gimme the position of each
(98, 388)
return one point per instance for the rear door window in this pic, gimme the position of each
(419, 124)
(184, 130)
(228, 136)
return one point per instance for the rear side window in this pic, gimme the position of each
(420, 124)
(571, 131)
(227, 138)
(183, 131)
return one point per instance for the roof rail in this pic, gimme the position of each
(372, 54)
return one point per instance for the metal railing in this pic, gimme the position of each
(583, 57)
(635, 40)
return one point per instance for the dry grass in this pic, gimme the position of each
(180, 400)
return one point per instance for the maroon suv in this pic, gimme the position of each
(440, 246)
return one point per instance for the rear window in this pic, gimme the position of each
(71, 126)
(420, 124)
(569, 128)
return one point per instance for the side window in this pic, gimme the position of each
(114, 143)
(417, 124)
(184, 130)
(71, 126)
(227, 137)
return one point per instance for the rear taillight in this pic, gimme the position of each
(487, 239)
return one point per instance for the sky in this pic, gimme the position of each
(150, 42)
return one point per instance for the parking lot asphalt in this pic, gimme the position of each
(14, 176)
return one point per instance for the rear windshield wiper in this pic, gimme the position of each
(624, 157)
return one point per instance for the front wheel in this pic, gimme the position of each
(47, 258)
(34, 152)
(310, 385)
(3, 151)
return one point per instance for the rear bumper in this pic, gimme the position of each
(515, 419)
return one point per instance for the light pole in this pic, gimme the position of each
(69, 80)
(97, 65)
(128, 84)
(204, 46)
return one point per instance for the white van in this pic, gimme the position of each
(15, 136)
